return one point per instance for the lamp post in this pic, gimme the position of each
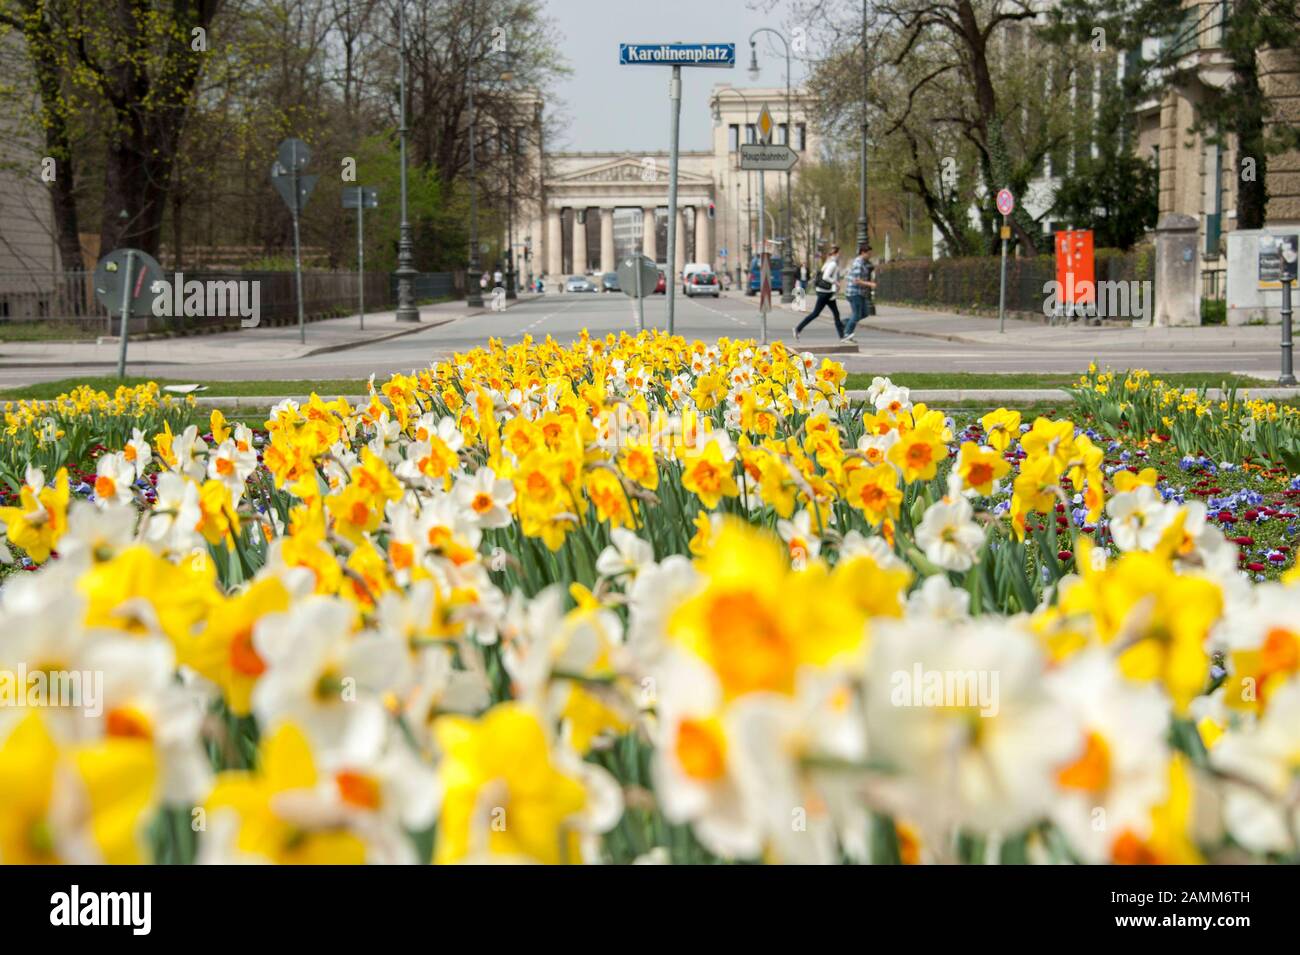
(473, 292)
(787, 267)
(510, 222)
(863, 234)
(406, 309)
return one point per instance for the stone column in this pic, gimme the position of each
(554, 244)
(679, 249)
(704, 245)
(607, 263)
(648, 233)
(579, 243)
(1178, 271)
(1280, 81)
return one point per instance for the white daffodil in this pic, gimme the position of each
(190, 451)
(138, 452)
(170, 526)
(962, 714)
(1138, 518)
(487, 497)
(321, 677)
(143, 700)
(938, 599)
(695, 775)
(628, 554)
(803, 542)
(99, 532)
(1121, 772)
(114, 480)
(1260, 804)
(231, 466)
(949, 535)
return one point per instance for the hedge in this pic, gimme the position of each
(972, 283)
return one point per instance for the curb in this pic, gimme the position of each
(1028, 395)
(301, 352)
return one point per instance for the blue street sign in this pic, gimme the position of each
(677, 54)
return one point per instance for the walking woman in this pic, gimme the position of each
(825, 286)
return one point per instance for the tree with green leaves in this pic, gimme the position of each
(1237, 110)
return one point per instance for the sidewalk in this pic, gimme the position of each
(979, 330)
(264, 343)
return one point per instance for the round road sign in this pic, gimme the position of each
(110, 275)
(627, 270)
(1006, 201)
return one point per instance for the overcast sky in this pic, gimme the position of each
(610, 107)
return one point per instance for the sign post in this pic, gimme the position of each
(1006, 202)
(637, 277)
(294, 188)
(124, 280)
(676, 55)
(361, 198)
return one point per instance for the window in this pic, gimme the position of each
(733, 137)
(783, 134)
(751, 133)
(801, 140)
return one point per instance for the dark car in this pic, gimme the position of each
(755, 275)
(661, 286)
(609, 282)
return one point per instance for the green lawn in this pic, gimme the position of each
(329, 387)
(966, 379)
(357, 386)
(49, 331)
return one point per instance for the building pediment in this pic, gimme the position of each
(629, 170)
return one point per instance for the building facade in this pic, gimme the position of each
(595, 207)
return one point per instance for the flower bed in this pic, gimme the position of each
(647, 599)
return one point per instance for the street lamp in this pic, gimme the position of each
(787, 267)
(406, 309)
(473, 291)
(863, 233)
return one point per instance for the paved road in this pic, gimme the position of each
(1025, 347)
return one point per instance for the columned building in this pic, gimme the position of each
(597, 207)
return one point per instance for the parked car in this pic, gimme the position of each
(609, 282)
(580, 283)
(661, 286)
(755, 275)
(701, 282)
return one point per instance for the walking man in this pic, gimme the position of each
(825, 286)
(858, 281)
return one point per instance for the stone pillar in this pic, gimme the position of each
(554, 244)
(1178, 271)
(579, 243)
(1280, 81)
(705, 250)
(607, 263)
(648, 234)
(679, 249)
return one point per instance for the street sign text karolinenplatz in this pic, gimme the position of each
(676, 55)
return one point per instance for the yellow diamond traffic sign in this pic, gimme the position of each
(765, 124)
